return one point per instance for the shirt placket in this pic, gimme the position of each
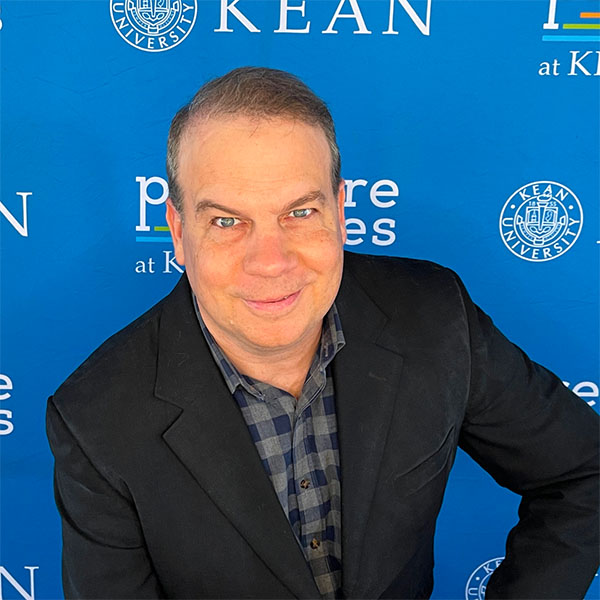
(311, 496)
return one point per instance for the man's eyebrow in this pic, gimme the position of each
(316, 196)
(203, 205)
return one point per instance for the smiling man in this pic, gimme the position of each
(263, 239)
(283, 424)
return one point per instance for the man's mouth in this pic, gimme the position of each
(273, 305)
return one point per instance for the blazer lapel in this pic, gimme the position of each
(366, 376)
(211, 439)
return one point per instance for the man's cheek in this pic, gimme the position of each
(216, 274)
(322, 247)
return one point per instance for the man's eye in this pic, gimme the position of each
(301, 213)
(225, 222)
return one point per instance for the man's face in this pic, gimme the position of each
(262, 232)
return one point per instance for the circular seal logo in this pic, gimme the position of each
(153, 25)
(475, 589)
(541, 221)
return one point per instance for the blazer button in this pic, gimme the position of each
(315, 543)
(305, 484)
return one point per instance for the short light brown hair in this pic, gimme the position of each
(255, 92)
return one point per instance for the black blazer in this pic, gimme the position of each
(162, 493)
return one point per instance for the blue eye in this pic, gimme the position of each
(225, 222)
(301, 213)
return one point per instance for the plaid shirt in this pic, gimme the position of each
(298, 445)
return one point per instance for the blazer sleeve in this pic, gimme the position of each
(539, 440)
(104, 555)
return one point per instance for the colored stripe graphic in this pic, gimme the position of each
(588, 15)
(160, 239)
(161, 228)
(581, 26)
(571, 38)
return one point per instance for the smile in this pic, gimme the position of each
(275, 305)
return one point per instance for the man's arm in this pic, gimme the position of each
(539, 440)
(104, 555)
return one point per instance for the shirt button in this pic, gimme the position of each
(305, 484)
(315, 543)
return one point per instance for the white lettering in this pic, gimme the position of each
(422, 26)
(376, 192)
(122, 22)
(356, 14)
(231, 8)
(170, 262)
(551, 22)
(21, 228)
(23, 593)
(284, 8)
(544, 68)
(586, 389)
(145, 198)
(547, 68)
(390, 236)
(360, 230)
(5, 384)
(9, 429)
(576, 62)
(350, 185)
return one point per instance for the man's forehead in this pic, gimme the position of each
(250, 163)
(255, 148)
(204, 127)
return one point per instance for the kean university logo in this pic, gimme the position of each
(541, 221)
(153, 25)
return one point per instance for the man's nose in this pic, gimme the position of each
(269, 253)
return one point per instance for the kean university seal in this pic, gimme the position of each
(541, 221)
(475, 588)
(153, 25)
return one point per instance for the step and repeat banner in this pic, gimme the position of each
(469, 134)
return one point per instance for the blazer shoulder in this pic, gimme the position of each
(373, 267)
(404, 280)
(126, 350)
(126, 361)
(110, 400)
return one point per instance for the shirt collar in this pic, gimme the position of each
(332, 341)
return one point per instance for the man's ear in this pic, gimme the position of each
(176, 227)
(340, 206)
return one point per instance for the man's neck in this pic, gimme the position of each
(284, 368)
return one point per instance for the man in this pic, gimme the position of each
(282, 425)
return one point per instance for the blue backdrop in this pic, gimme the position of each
(469, 136)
